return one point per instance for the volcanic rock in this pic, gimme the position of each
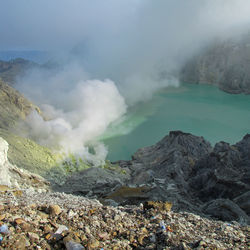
(183, 170)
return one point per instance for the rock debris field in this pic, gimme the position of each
(47, 220)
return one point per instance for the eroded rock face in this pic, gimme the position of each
(169, 164)
(224, 64)
(13, 177)
(220, 174)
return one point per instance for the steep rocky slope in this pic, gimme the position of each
(25, 153)
(14, 177)
(13, 106)
(225, 64)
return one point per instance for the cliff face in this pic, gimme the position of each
(225, 64)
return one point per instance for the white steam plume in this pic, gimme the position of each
(87, 108)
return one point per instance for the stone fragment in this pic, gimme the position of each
(103, 236)
(33, 236)
(92, 244)
(22, 243)
(17, 192)
(159, 205)
(42, 215)
(19, 221)
(141, 238)
(45, 245)
(61, 228)
(48, 236)
(87, 230)
(71, 214)
(54, 210)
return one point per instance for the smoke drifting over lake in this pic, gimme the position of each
(138, 44)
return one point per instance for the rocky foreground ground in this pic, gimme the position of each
(49, 220)
(191, 184)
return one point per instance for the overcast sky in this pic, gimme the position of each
(61, 24)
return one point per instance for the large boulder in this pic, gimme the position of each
(224, 209)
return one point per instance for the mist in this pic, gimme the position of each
(112, 54)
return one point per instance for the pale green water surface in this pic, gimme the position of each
(198, 109)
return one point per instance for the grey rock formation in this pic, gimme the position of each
(224, 209)
(169, 163)
(225, 64)
(220, 174)
(93, 182)
(182, 169)
(243, 201)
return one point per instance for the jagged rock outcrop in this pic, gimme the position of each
(220, 174)
(183, 169)
(13, 177)
(169, 164)
(225, 64)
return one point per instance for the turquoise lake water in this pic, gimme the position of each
(198, 109)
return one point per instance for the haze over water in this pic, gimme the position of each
(202, 110)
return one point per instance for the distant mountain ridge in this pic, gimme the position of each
(37, 56)
(9, 70)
